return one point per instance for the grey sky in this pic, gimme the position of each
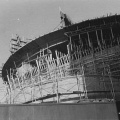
(32, 18)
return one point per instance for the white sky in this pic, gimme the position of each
(32, 18)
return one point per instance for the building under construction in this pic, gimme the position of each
(75, 65)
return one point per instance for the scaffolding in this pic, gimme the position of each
(89, 69)
(72, 77)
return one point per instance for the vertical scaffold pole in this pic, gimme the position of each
(23, 82)
(111, 32)
(57, 90)
(89, 39)
(81, 43)
(109, 74)
(112, 35)
(68, 49)
(9, 81)
(103, 73)
(33, 90)
(102, 39)
(9, 89)
(104, 84)
(39, 77)
(71, 47)
(78, 84)
(10, 78)
(7, 93)
(98, 40)
(20, 86)
(9, 96)
(113, 91)
(91, 45)
(17, 76)
(83, 77)
(56, 77)
(13, 84)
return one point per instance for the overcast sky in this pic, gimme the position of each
(32, 18)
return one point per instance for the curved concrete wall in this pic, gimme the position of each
(82, 111)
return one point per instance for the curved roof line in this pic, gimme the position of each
(31, 48)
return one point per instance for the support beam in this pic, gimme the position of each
(71, 48)
(89, 39)
(81, 43)
(98, 40)
(111, 32)
(102, 38)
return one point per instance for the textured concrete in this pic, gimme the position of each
(84, 111)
